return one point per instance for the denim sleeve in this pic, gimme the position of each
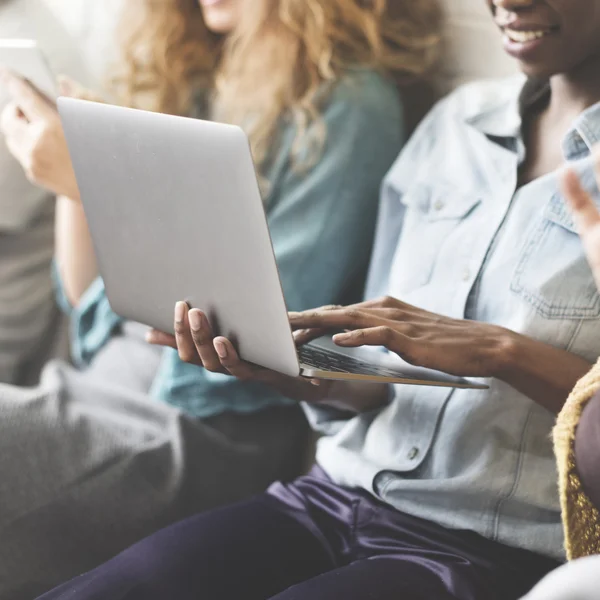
(92, 321)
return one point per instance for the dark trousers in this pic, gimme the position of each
(311, 540)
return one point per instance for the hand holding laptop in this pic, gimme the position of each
(196, 344)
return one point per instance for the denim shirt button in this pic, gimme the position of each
(439, 204)
(414, 452)
(466, 274)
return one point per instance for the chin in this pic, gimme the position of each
(537, 71)
(219, 22)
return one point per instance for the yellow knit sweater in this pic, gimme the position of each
(581, 520)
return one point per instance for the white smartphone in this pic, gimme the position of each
(24, 58)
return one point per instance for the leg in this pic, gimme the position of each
(89, 468)
(249, 551)
(384, 578)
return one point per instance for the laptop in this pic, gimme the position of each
(175, 213)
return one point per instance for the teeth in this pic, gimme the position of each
(525, 36)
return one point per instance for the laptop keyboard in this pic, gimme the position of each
(327, 360)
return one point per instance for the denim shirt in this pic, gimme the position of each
(456, 237)
(322, 224)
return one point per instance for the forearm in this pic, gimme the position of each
(75, 257)
(543, 373)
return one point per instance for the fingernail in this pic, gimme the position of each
(195, 320)
(149, 337)
(180, 312)
(340, 337)
(315, 382)
(221, 349)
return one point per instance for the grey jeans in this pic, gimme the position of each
(89, 465)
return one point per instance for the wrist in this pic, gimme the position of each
(508, 352)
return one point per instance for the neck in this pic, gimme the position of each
(575, 91)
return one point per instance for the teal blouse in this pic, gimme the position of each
(321, 223)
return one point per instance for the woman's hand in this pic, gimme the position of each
(585, 214)
(458, 347)
(196, 344)
(34, 134)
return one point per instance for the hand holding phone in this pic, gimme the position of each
(35, 137)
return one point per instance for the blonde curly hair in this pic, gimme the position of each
(276, 62)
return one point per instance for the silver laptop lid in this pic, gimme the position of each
(158, 191)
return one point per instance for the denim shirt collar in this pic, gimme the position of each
(501, 118)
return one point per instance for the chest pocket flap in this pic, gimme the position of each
(440, 202)
(434, 215)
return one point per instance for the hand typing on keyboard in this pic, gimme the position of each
(458, 347)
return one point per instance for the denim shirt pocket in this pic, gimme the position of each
(432, 214)
(557, 291)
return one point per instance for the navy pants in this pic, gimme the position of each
(310, 540)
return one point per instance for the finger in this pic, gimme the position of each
(183, 335)
(202, 337)
(160, 338)
(584, 209)
(376, 336)
(231, 361)
(304, 336)
(348, 318)
(29, 99)
(71, 88)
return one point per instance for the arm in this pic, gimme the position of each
(35, 137)
(543, 373)
(75, 258)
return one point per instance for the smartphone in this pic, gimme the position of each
(24, 58)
